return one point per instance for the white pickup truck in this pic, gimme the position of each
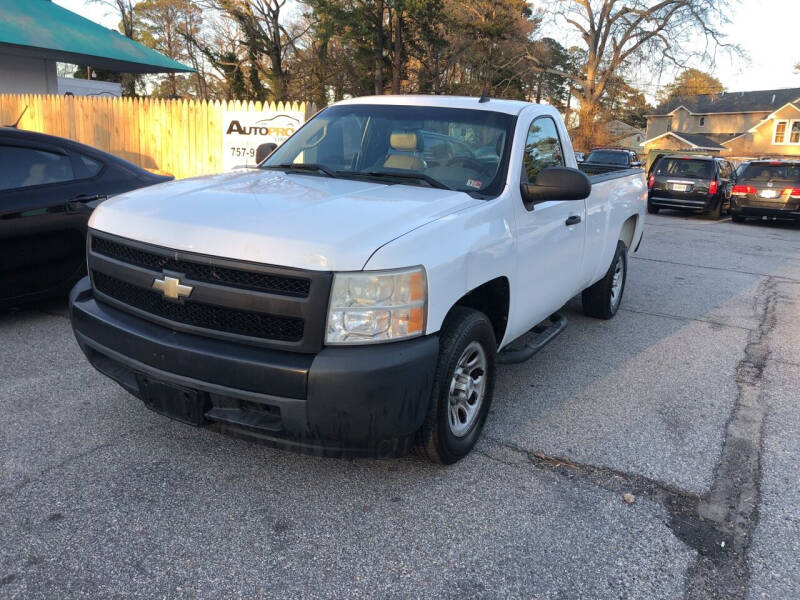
(354, 293)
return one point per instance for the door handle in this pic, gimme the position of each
(572, 220)
(80, 203)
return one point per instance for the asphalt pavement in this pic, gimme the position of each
(654, 455)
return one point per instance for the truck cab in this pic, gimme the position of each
(355, 293)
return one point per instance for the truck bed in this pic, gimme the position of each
(597, 172)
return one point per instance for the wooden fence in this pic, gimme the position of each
(179, 137)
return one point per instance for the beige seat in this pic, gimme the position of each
(409, 142)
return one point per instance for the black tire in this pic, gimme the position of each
(715, 213)
(597, 299)
(436, 440)
(737, 218)
(651, 209)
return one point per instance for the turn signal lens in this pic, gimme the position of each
(792, 191)
(368, 307)
(650, 181)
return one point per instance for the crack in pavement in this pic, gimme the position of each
(719, 525)
(682, 318)
(726, 269)
(732, 503)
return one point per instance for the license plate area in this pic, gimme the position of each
(176, 402)
(769, 194)
(680, 187)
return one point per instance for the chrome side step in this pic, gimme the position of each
(546, 332)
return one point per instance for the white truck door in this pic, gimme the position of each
(550, 236)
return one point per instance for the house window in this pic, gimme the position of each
(794, 133)
(702, 121)
(787, 132)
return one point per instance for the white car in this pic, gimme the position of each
(355, 293)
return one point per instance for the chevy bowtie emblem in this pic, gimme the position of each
(172, 287)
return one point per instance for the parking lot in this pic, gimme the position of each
(687, 401)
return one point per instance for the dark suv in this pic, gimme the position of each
(768, 189)
(698, 183)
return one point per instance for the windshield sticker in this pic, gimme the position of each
(474, 183)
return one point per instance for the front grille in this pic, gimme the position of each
(196, 314)
(238, 278)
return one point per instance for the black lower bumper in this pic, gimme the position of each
(357, 400)
(758, 209)
(703, 204)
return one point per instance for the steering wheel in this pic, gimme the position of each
(467, 162)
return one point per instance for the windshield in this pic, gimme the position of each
(682, 167)
(460, 149)
(608, 157)
(768, 172)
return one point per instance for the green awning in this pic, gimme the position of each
(42, 29)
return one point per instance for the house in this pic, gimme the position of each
(736, 124)
(624, 135)
(36, 34)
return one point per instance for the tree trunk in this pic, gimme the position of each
(397, 66)
(587, 132)
(379, 43)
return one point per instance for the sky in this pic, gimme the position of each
(767, 30)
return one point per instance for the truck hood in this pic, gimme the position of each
(293, 220)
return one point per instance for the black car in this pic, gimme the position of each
(767, 189)
(48, 188)
(603, 160)
(691, 182)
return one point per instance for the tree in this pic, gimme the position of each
(617, 34)
(165, 26)
(265, 34)
(691, 82)
(625, 103)
(127, 26)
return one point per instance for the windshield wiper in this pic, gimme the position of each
(400, 175)
(303, 167)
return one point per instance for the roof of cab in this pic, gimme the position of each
(511, 107)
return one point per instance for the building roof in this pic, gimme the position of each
(731, 102)
(620, 129)
(692, 140)
(42, 29)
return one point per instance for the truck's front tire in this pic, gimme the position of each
(602, 299)
(462, 388)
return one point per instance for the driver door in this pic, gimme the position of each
(550, 235)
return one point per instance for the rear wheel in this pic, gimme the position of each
(462, 389)
(602, 299)
(715, 213)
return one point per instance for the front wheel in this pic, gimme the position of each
(462, 389)
(602, 299)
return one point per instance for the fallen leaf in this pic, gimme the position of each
(629, 498)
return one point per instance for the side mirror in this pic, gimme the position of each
(556, 183)
(264, 150)
(636, 163)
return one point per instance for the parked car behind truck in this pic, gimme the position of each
(767, 189)
(48, 188)
(355, 293)
(690, 182)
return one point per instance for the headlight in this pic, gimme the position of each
(378, 306)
